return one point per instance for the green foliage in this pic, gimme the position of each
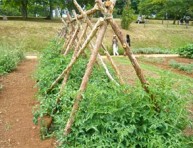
(152, 59)
(110, 116)
(152, 51)
(127, 17)
(181, 66)
(9, 58)
(9, 11)
(186, 51)
(174, 8)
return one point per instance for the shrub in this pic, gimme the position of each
(127, 17)
(9, 58)
(109, 116)
(186, 51)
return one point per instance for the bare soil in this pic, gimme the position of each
(17, 99)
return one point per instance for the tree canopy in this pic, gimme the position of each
(162, 8)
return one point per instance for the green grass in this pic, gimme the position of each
(152, 59)
(29, 36)
(33, 36)
(9, 58)
(185, 81)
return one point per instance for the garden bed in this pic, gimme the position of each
(164, 63)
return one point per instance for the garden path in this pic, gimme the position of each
(17, 99)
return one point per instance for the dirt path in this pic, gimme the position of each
(16, 102)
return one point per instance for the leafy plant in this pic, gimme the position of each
(127, 17)
(109, 116)
(9, 58)
(186, 51)
(152, 51)
(181, 66)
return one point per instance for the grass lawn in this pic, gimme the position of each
(32, 36)
(29, 36)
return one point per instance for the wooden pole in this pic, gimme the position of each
(114, 66)
(130, 55)
(64, 30)
(72, 40)
(106, 51)
(73, 60)
(104, 66)
(70, 34)
(88, 12)
(75, 53)
(85, 79)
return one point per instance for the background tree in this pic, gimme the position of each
(175, 9)
(127, 15)
(22, 5)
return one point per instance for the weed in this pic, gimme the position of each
(9, 58)
(186, 51)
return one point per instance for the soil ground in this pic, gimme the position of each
(16, 102)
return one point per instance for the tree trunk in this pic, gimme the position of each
(24, 12)
(51, 9)
(174, 22)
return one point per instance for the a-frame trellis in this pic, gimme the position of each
(74, 41)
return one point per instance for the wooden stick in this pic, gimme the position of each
(65, 30)
(88, 12)
(114, 66)
(75, 53)
(72, 40)
(73, 60)
(106, 51)
(85, 79)
(130, 55)
(104, 65)
(70, 34)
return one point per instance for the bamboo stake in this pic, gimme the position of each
(130, 55)
(85, 79)
(73, 60)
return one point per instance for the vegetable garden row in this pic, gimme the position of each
(104, 113)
